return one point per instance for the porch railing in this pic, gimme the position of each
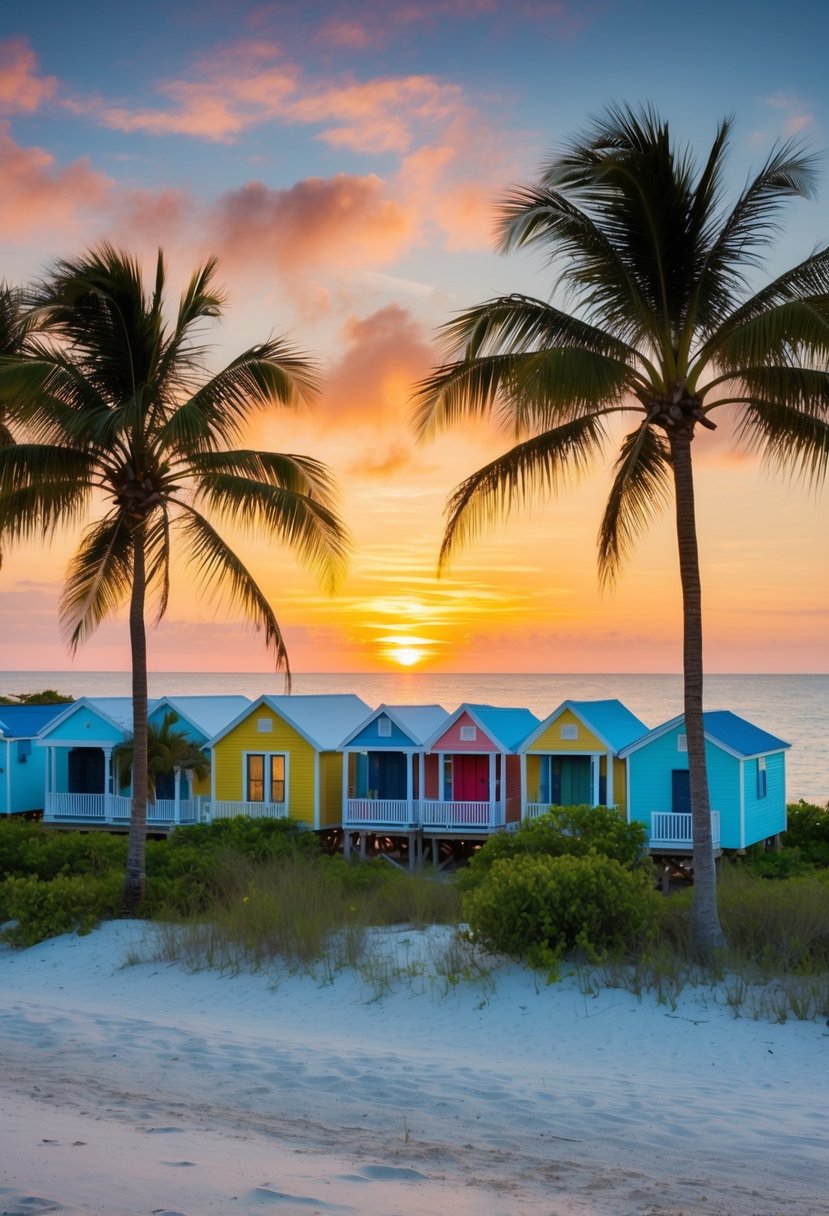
(252, 810)
(674, 830)
(380, 812)
(435, 814)
(114, 808)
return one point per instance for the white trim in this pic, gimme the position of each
(266, 774)
(742, 804)
(609, 779)
(316, 789)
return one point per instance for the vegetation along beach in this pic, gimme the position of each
(414, 685)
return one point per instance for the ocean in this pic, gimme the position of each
(793, 707)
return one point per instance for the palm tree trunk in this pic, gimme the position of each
(707, 935)
(135, 877)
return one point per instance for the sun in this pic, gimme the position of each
(406, 656)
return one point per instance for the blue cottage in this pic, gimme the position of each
(746, 781)
(22, 763)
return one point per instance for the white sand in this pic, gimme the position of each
(146, 1089)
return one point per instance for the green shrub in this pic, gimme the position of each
(572, 831)
(255, 838)
(30, 849)
(65, 904)
(808, 830)
(777, 863)
(541, 907)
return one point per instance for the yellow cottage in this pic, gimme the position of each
(280, 758)
(572, 758)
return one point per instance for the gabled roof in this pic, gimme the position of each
(117, 711)
(322, 719)
(417, 722)
(506, 726)
(724, 729)
(206, 714)
(25, 721)
(610, 721)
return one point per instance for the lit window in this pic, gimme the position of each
(255, 779)
(277, 778)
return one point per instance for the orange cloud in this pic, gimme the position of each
(385, 354)
(38, 195)
(343, 221)
(21, 89)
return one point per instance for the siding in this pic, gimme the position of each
(85, 725)
(765, 816)
(552, 742)
(370, 739)
(451, 741)
(228, 759)
(650, 776)
(620, 785)
(22, 784)
(331, 796)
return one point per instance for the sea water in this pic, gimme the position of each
(793, 707)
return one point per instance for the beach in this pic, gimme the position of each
(141, 1087)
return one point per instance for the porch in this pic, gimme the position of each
(455, 815)
(98, 809)
(379, 813)
(673, 830)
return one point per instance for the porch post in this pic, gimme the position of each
(523, 769)
(492, 787)
(609, 782)
(176, 795)
(108, 782)
(344, 815)
(595, 768)
(409, 787)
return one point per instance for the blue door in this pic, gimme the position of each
(681, 791)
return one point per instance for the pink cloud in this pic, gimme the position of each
(343, 221)
(21, 89)
(385, 353)
(38, 195)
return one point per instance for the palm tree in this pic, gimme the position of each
(17, 325)
(168, 751)
(120, 413)
(665, 330)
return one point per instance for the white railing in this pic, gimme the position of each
(383, 812)
(674, 830)
(89, 808)
(534, 809)
(253, 810)
(114, 808)
(435, 814)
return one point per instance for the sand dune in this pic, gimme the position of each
(146, 1089)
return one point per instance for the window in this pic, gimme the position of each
(569, 731)
(24, 750)
(277, 778)
(255, 779)
(762, 787)
(469, 734)
(265, 774)
(384, 727)
(682, 743)
(264, 725)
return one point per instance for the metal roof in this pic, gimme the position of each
(609, 720)
(208, 714)
(323, 719)
(417, 722)
(25, 721)
(724, 729)
(506, 726)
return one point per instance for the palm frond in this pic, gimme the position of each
(641, 486)
(790, 440)
(41, 487)
(273, 373)
(297, 518)
(539, 466)
(98, 580)
(221, 572)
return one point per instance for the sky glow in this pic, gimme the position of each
(344, 161)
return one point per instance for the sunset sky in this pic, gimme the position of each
(343, 161)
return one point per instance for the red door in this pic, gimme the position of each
(471, 778)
